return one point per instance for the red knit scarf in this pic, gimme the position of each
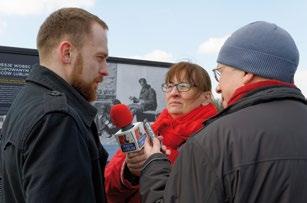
(176, 131)
(240, 92)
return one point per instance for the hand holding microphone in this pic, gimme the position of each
(131, 136)
(135, 161)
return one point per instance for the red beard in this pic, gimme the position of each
(86, 89)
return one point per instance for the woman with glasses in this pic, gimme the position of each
(188, 98)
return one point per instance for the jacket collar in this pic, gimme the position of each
(262, 95)
(46, 78)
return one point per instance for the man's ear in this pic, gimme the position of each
(247, 78)
(65, 48)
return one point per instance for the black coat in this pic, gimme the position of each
(254, 151)
(50, 150)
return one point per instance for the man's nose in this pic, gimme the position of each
(104, 70)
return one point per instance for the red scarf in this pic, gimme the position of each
(176, 131)
(241, 91)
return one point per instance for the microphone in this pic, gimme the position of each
(131, 136)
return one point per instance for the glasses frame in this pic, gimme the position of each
(217, 73)
(169, 89)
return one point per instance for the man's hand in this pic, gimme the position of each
(135, 161)
(152, 146)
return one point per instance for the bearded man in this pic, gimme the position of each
(50, 150)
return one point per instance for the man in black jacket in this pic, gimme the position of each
(50, 150)
(255, 150)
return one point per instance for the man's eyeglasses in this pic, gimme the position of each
(181, 87)
(217, 73)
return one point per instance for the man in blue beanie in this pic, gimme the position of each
(255, 150)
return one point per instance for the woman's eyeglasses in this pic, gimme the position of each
(181, 87)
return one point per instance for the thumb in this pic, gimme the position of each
(152, 146)
(156, 145)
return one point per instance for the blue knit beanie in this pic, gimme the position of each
(261, 48)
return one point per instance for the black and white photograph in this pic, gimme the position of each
(135, 83)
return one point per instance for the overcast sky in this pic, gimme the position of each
(163, 30)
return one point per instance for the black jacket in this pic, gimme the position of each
(253, 151)
(50, 150)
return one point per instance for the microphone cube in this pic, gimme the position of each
(133, 139)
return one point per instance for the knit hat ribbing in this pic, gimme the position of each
(261, 48)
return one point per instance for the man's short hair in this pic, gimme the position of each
(73, 23)
(142, 80)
